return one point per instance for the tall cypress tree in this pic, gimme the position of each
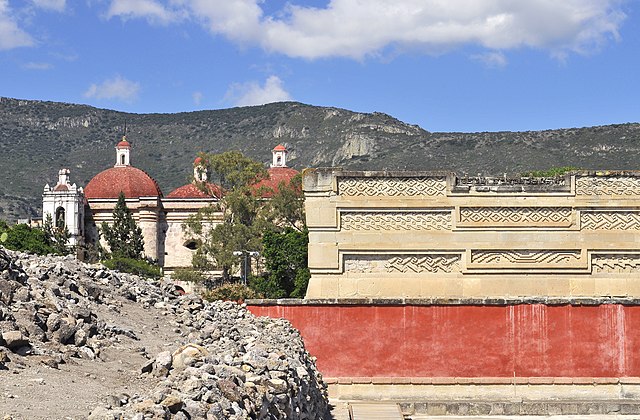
(124, 236)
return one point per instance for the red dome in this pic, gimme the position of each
(276, 176)
(192, 191)
(197, 161)
(124, 144)
(133, 182)
(280, 148)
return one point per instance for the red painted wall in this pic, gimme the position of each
(468, 341)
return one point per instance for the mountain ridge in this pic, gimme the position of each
(39, 137)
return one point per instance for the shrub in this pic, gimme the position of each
(129, 265)
(231, 291)
(188, 274)
(24, 238)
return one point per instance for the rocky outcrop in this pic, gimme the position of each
(231, 365)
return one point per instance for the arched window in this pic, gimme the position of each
(60, 218)
(121, 159)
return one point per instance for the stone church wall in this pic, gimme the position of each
(434, 234)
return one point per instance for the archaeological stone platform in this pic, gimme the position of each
(436, 234)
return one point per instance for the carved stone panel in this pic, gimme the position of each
(516, 216)
(395, 220)
(617, 185)
(615, 263)
(536, 259)
(610, 220)
(393, 187)
(404, 263)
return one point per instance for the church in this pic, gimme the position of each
(83, 210)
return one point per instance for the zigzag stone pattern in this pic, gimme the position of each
(610, 220)
(403, 220)
(607, 186)
(615, 263)
(515, 215)
(419, 263)
(393, 187)
(524, 257)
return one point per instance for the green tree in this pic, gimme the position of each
(241, 225)
(285, 255)
(124, 236)
(56, 237)
(274, 226)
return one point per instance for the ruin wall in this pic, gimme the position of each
(435, 234)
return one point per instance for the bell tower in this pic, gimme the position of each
(279, 157)
(64, 203)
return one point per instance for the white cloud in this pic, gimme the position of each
(117, 88)
(197, 98)
(491, 59)
(11, 36)
(251, 93)
(56, 5)
(357, 29)
(33, 65)
(151, 10)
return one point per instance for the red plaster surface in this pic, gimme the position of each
(469, 341)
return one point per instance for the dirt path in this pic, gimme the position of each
(30, 389)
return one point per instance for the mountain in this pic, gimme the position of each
(37, 138)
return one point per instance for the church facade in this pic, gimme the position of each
(160, 217)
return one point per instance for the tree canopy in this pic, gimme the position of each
(124, 236)
(273, 227)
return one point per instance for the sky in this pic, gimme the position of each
(446, 65)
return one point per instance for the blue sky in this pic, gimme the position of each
(446, 65)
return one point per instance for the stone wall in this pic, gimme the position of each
(433, 234)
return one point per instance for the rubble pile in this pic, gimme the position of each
(231, 365)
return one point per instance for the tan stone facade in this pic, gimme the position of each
(433, 234)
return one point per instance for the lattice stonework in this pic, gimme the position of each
(524, 257)
(400, 187)
(610, 220)
(403, 220)
(515, 215)
(419, 263)
(607, 186)
(615, 263)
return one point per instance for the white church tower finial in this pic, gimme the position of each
(122, 153)
(279, 157)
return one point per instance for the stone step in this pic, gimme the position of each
(375, 411)
(520, 408)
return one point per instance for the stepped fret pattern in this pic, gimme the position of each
(515, 215)
(615, 263)
(433, 263)
(524, 257)
(422, 263)
(610, 220)
(405, 220)
(608, 186)
(393, 187)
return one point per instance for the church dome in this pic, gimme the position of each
(133, 182)
(276, 176)
(192, 191)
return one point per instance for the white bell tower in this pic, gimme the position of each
(279, 157)
(64, 203)
(122, 153)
